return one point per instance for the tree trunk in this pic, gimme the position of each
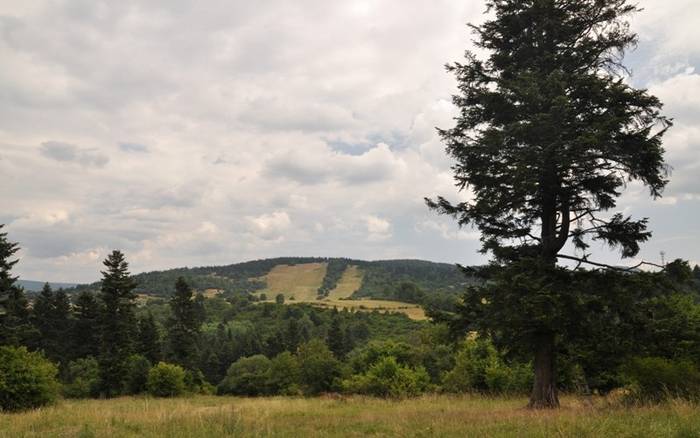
(544, 389)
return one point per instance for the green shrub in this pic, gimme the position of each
(361, 359)
(27, 379)
(480, 368)
(246, 376)
(195, 382)
(387, 378)
(320, 370)
(655, 379)
(82, 378)
(166, 380)
(284, 375)
(137, 374)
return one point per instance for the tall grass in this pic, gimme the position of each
(327, 417)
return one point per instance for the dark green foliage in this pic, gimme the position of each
(86, 329)
(27, 379)
(548, 135)
(15, 324)
(183, 326)
(320, 370)
(388, 378)
(334, 271)
(653, 379)
(51, 316)
(7, 281)
(480, 368)
(279, 299)
(149, 341)
(137, 374)
(337, 339)
(166, 380)
(285, 375)
(382, 278)
(247, 376)
(82, 378)
(117, 324)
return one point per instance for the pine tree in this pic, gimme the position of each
(15, 324)
(117, 324)
(183, 326)
(41, 315)
(200, 310)
(50, 315)
(548, 134)
(149, 339)
(86, 332)
(336, 338)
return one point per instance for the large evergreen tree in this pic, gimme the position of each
(7, 281)
(183, 326)
(86, 333)
(149, 339)
(51, 316)
(117, 324)
(15, 326)
(548, 134)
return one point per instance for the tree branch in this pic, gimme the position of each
(603, 265)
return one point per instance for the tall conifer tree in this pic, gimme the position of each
(86, 328)
(183, 326)
(548, 134)
(117, 324)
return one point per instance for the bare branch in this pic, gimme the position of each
(603, 265)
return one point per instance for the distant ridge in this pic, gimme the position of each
(380, 279)
(36, 286)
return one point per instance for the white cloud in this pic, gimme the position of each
(190, 135)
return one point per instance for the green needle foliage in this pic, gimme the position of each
(548, 134)
(118, 324)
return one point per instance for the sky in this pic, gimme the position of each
(203, 133)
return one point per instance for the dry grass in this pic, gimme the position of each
(349, 282)
(211, 293)
(411, 310)
(353, 417)
(298, 281)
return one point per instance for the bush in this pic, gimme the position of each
(195, 382)
(479, 368)
(27, 379)
(137, 374)
(82, 378)
(285, 374)
(653, 379)
(246, 376)
(320, 370)
(387, 378)
(166, 380)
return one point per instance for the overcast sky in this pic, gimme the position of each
(201, 133)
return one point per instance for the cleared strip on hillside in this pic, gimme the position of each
(298, 281)
(349, 282)
(411, 310)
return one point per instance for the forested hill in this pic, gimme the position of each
(340, 278)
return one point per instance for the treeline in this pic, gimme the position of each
(441, 282)
(104, 345)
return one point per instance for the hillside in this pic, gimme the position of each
(315, 279)
(36, 286)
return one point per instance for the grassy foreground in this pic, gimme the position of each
(428, 416)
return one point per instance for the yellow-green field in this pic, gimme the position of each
(428, 416)
(349, 282)
(303, 281)
(298, 281)
(411, 310)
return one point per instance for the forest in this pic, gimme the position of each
(550, 138)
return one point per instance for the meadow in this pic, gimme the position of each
(300, 283)
(464, 416)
